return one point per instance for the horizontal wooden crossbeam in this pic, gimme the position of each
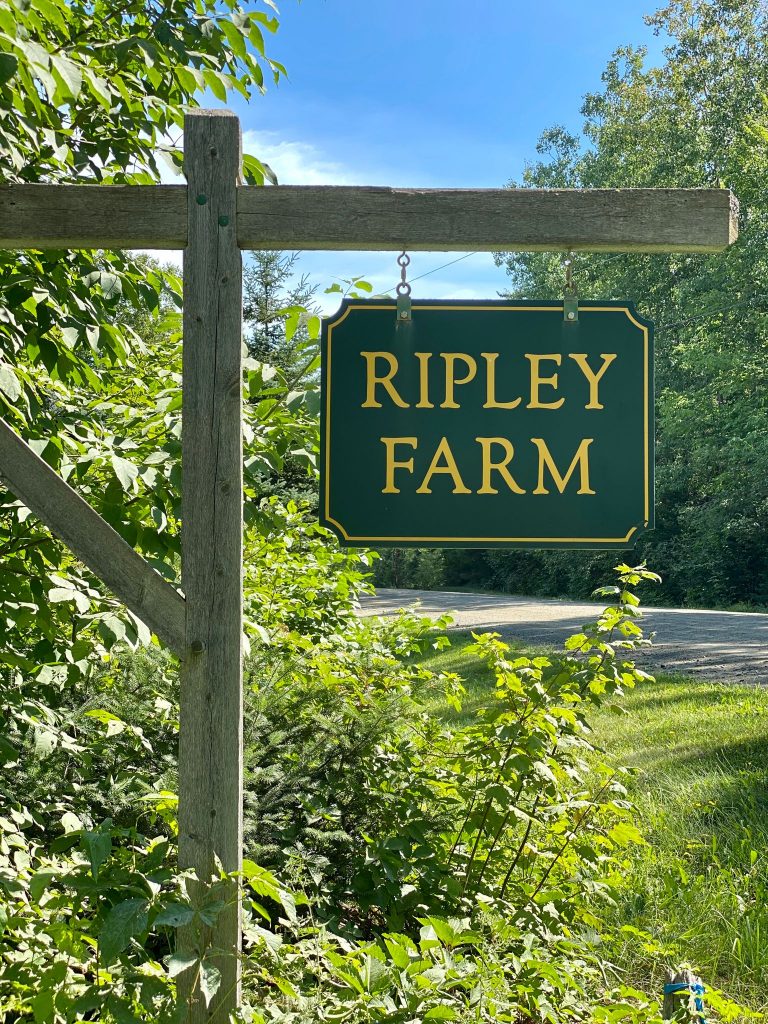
(93, 216)
(92, 540)
(357, 218)
(486, 220)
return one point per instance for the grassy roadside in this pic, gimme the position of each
(700, 889)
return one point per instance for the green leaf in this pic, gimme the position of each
(234, 37)
(114, 724)
(8, 67)
(113, 627)
(60, 595)
(69, 75)
(123, 921)
(107, 283)
(215, 83)
(42, 1007)
(126, 472)
(210, 979)
(181, 962)
(9, 383)
(175, 915)
(70, 822)
(624, 833)
(70, 336)
(40, 881)
(98, 846)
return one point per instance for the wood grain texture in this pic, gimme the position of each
(92, 540)
(340, 217)
(620, 220)
(93, 216)
(211, 724)
(676, 1004)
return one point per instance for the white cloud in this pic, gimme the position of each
(299, 163)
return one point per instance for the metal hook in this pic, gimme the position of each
(403, 290)
(570, 298)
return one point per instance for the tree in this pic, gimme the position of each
(699, 120)
(90, 376)
(98, 91)
(282, 328)
(279, 310)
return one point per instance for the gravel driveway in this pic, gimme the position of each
(731, 646)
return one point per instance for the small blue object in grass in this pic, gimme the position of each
(684, 986)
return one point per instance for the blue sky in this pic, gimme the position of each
(431, 93)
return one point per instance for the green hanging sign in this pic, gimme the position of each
(487, 424)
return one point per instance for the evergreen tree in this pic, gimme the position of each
(277, 308)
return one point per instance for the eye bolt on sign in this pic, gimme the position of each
(487, 424)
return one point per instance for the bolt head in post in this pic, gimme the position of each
(197, 646)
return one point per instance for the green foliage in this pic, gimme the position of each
(436, 873)
(418, 568)
(284, 325)
(701, 888)
(86, 924)
(439, 974)
(98, 90)
(493, 918)
(282, 332)
(668, 126)
(89, 341)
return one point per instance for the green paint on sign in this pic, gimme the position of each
(487, 424)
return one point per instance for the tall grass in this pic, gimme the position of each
(699, 890)
(701, 886)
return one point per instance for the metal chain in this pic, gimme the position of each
(570, 296)
(569, 285)
(403, 288)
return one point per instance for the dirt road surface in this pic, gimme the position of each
(729, 646)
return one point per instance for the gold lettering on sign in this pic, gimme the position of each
(449, 467)
(593, 379)
(500, 467)
(424, 402)
(490, 384)
(580, 459)
(391, 465)
(371, 380)
(450, 376)
(537, 380)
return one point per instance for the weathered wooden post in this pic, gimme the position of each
(211, 722)
(680, 987)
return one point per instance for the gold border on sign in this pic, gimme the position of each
(494, 540)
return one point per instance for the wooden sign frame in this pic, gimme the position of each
(213, 218)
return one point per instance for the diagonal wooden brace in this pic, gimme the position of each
(92, 540)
